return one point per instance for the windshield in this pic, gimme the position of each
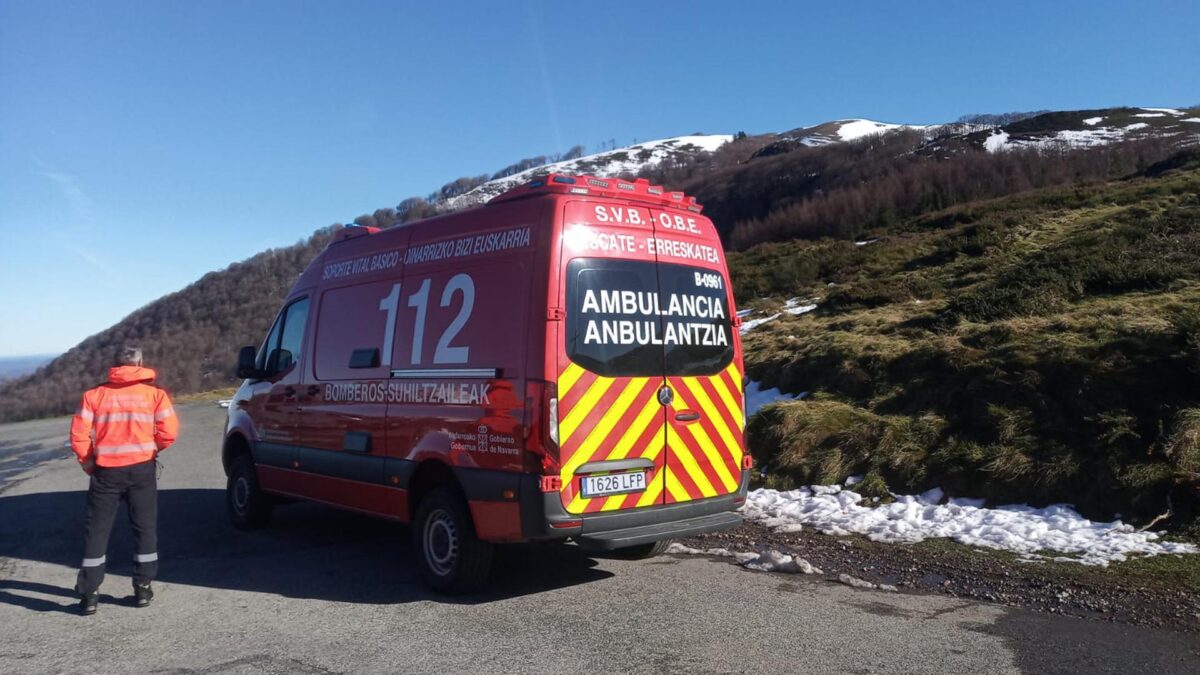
(640, 319)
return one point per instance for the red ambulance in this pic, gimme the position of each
(560, 363)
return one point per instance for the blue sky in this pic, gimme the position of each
(144, 144)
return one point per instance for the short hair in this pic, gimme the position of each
(129, 355)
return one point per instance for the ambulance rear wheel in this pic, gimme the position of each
(450, 557)
(643, 551)
(249, 507)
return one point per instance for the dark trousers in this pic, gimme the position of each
(137, 486)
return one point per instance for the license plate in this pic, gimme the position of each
(613, 484)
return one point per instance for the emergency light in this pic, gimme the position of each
(640, 190)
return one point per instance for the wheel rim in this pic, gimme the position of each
(241, 494)
(440, 538)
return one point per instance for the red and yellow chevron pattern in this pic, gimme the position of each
(603, 418)
(705, 456)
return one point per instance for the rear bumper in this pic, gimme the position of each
(671, 529)
(543, 517)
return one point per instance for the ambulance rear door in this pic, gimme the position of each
(701, 361)
(612, 438)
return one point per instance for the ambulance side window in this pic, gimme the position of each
(281, 349)
(269, 345)
(295, 317)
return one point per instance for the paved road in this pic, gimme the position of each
(322, 591)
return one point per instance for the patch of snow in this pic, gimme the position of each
(1090, 138)
(1093, 121)
(853, 480)
(739, 556)
(865, 243)
(838, 131)
(1019, 528)
(769, 561)
(855, 582)
(750, 325)
(1192, 119)
(849, 130)
(793, 306)
(607, 164)
(745, 312)
(776, 561)
(996, 142)
(1068, 138)
(1171, 111)
(1149, 114)
(677, 548)
(758, 398)
(225, 402)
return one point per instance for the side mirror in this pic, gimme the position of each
(246, 366)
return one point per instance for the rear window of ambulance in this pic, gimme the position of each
(641, 319)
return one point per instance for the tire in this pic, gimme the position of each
(249, 507)
(450, 557)
(643, 551)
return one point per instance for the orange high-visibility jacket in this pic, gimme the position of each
(132, 420)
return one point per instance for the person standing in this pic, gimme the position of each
(117, 433)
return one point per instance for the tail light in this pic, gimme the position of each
(541, 430)
(552, 419)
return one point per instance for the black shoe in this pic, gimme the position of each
(89, 602)
(142, 595)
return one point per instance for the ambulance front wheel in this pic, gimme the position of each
(450, 557)
(643, 551)
(249, 507)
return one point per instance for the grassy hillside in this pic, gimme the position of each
(1039, 347)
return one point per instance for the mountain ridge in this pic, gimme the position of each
(801, 191)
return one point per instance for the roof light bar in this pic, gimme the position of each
(639, 188)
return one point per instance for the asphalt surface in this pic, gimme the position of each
(325, 591)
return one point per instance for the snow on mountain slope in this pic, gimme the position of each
(837, 131)
(840, 131)
(1066, 130)
(608, 164)
(1000, 141)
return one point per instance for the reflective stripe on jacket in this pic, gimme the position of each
(125, 421)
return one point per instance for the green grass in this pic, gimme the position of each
(1040, 348)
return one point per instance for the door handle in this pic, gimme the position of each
(687, 416)
(313, 390)
(289, 392)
